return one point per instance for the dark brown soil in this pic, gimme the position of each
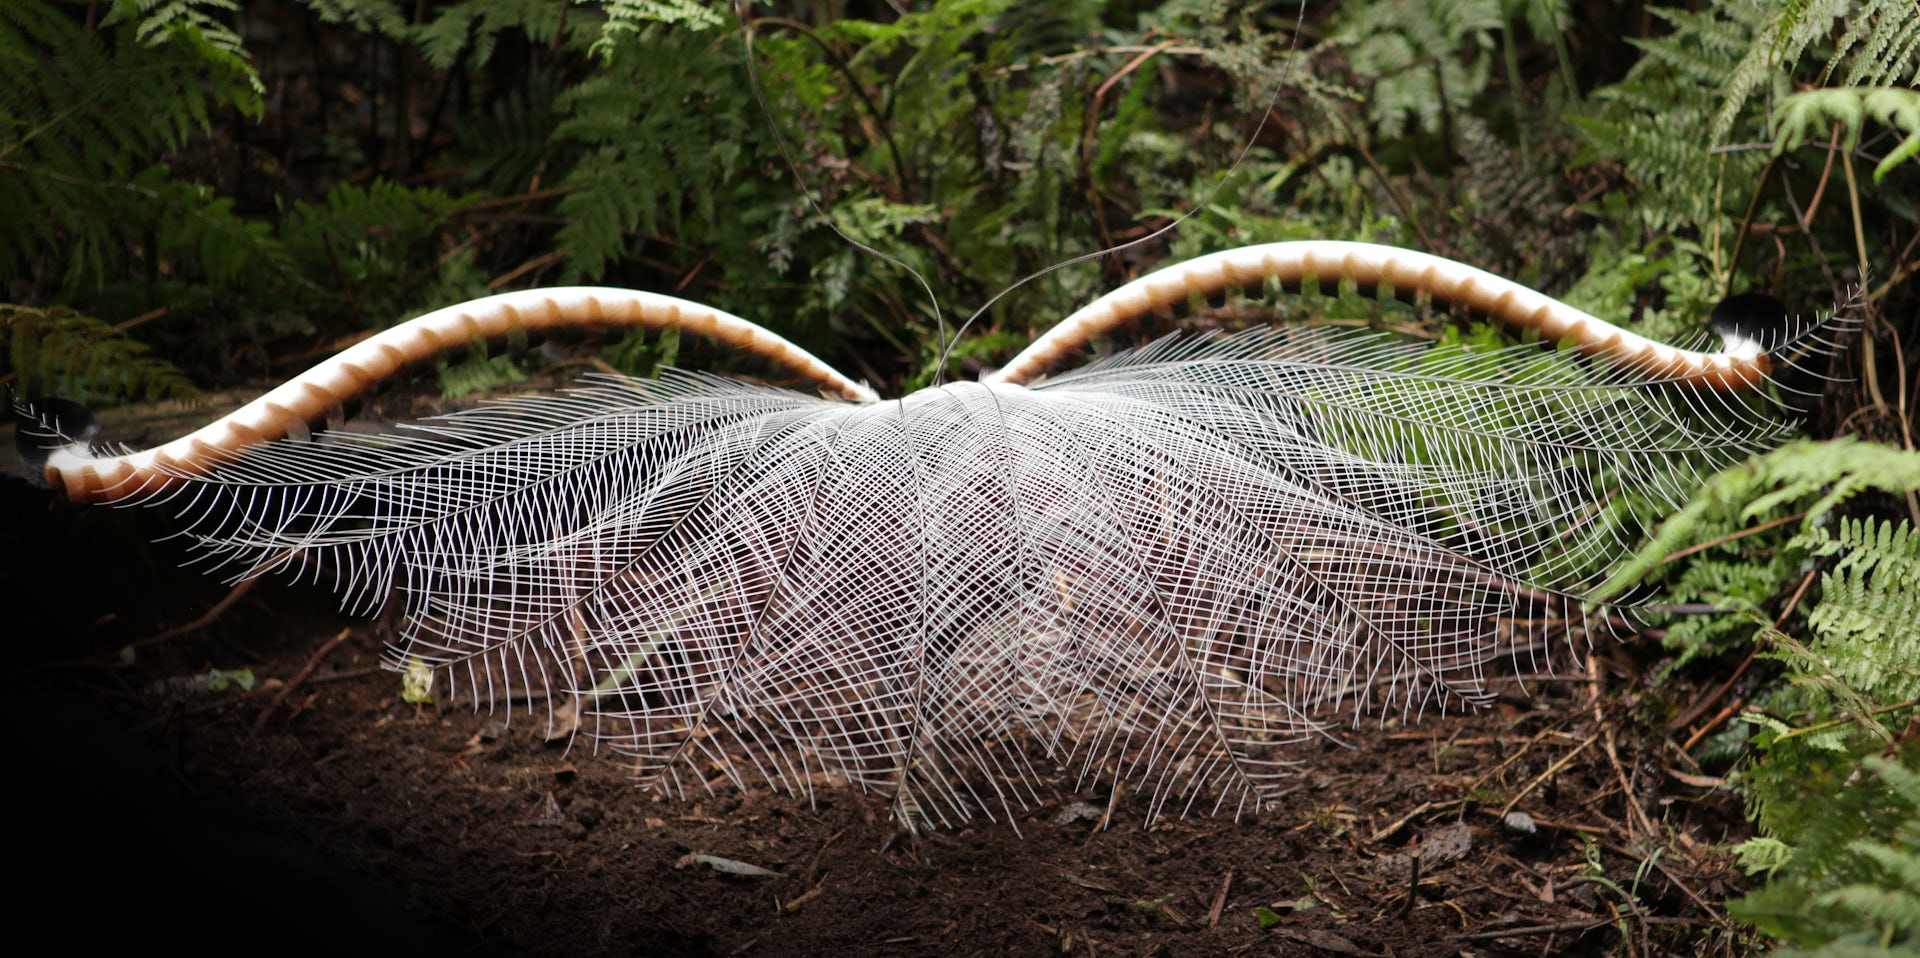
(319, 813)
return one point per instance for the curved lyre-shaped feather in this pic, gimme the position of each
(1172, 564)
(84, 477)
(1408, 273)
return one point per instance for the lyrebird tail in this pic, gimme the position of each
(1172, 564)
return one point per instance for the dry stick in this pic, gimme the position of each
(1734, 536)
(1386, 182)
(538, 262)
(1843, 720)
(1413, 888)
(1905, 269)
(260, 723)
(1058, 59)
(1581, 926)
(1626, 789)
(1382, 832)
(1220, 901)
(1497, 769)
(219, 609)
(1746, 224)
(1090, 137)
(1543, 776)
(1707, 729)
(1717, 914)
(1699, 708)
(1826, 175)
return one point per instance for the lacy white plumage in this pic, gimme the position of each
(1170, 566)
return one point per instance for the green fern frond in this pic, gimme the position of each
(380, 17)
(1655, 120)
(199, 23)
(79, 134)
(476, 26)
(1810, 114)
(366, 248)
(1792, 26)
(1868, 617)
(664, 130)
(478, 372)
(1851, 882)
(625, 18)
(59, 351)
(506, 145)
(1828, 473)
(1881, 45)
(1410, 54)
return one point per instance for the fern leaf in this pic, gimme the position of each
(1828, 473)
(1808, 114)
(1868, 617)
(61, 352)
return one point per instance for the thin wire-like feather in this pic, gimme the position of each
(1172, 565)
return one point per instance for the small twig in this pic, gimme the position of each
(498, 202)
(1846, 719)
(1113, 799)
(788, 908)
(1094, 52)
(1497, 769)
(538, 262)
(1543, 776)
(1384, 831)
(1220, 901)
(1581, 926)
(1853, 201)
(1732, 536)
(299, 677)
(1717, 914)
(1699, 708)
(1413, 888)
(219, 609)
(146, 317)
(1712, 723)
(1626, 788)
(1826, 175)
(1746, 223)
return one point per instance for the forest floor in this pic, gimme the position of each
(320, 813)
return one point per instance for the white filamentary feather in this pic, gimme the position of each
(1171, 565)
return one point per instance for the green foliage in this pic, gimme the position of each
(201, 22)
(1868, 621)
(1419, 59)
(661, 130)
(474, 28)
(60, 352)
(361, 246)
(78, 131)
(627, 18)
(380, 17)
(1840, 838)
(1652, 121)
(1846, 879)
(1880, 46)
(1808, 114)
(1829, 473)
(478, 372)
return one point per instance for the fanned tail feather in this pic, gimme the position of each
(1174, 565)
